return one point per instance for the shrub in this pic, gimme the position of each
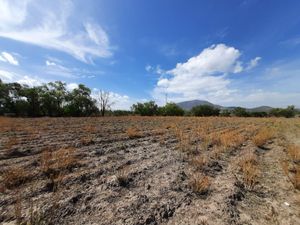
(205, 110)
(145, 109)
(171, 109)
(240, 112)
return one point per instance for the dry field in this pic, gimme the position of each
(142, 170)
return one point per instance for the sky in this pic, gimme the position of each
(228, 52)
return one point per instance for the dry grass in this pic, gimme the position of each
(87, 140)
(231, 139)
(294, 152)
(200, 184)
(12, 141)
(65, 158)
(249, 168)
(132, 133)
(296, 178)
(199, 161)
(263, 135)
(13, 177)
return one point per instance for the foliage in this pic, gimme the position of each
(50, 99)
(288, 112)
(171, 109)
(205, 110)
(145, 109)
(240, 112)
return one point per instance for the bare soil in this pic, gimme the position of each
(99, 172)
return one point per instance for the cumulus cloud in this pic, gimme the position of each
(9, 58)
(48, 24)
(202, 76)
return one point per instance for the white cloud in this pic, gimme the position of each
(48, 24)
(9, 77)
(9, 58)
(202, 76)
(253, 63)
(71, 86)
(50, 63)
(158, 70)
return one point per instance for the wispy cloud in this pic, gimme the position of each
(48, 24)
(9, 58)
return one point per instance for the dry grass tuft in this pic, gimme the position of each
(249, 168)
(263, 135)
(133, 133)
(200, 184)
(199, 162)
(294, 152)
(14, 177)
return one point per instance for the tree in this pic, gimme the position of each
(171, 109)
(288, 112)
(104, 102)
(145, 109)
(205, 110)
(80, 103)
(225, 112)
(240, 112)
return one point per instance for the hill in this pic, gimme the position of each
(188, 105)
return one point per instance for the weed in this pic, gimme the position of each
(200, 184)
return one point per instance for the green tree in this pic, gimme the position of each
(80, 103)
(240, 112)
(205, 110)
(171, 109)
(145, 109)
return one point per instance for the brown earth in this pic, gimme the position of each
(143, 170)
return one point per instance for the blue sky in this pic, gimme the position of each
(229, 52)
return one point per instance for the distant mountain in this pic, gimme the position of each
(188, 105)
(260, 109)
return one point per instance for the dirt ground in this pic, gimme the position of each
(143, 170)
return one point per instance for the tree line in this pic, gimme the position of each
(172, 109)
(51, 99)
(54, 99)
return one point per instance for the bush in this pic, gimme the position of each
(240, 112)
(205, 110)
(145, 109)
(289, 112)
(171, 109)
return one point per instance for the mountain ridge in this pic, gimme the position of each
(188, 105)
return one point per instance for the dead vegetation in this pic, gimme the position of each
(144, 170)
(263, 135)
(200, 184)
